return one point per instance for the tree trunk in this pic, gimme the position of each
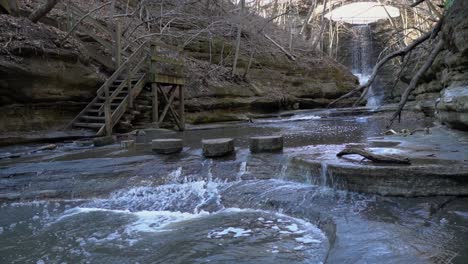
(238, 39)
(42, 10)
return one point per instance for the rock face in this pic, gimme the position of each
(453, 107)
(447, 79)
(42, 84)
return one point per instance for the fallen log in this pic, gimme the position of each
(373, 157)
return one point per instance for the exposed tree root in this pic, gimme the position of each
(414, 81)
(373, 157)
(399, 53)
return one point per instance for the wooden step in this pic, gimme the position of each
(115, 98)
(101, 104)
(88, 125)
(93, 117)
(92, 111)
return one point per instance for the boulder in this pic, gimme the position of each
(167, 146)
(103, 141)
(452, 109)
(217, 147)
(266, 144)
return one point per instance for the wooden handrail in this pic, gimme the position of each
(124, 82)
(117, 72)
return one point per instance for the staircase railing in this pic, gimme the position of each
(140, 56)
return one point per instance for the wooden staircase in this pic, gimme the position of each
(116, 95)
(134, 65)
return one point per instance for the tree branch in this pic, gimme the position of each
(417, 3)
(414, 81)
(82, 18)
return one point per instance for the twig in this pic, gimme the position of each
(8, 43)
(82, 18)
(289, 55)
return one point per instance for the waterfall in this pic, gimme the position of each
(242, 170)
(323, 174)
(362, 64)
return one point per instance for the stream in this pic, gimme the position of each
(108, 205)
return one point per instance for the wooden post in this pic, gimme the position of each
(69, 17)
(118, 43)
(154, 86)
(182, 107)
(107, 113)
(130, 90)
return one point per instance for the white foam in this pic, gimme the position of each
(238, 232)
(292, 227)
(308, 240)
(156, 221)
(147, 221)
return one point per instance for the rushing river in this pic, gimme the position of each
(106, 205)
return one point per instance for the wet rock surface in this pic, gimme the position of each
(138, 200)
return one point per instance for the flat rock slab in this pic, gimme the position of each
(266, 144)
(217, 147)
(103, 141)
(167, 146)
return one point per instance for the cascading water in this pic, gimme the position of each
(362, 50)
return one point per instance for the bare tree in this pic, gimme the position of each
(238, 38)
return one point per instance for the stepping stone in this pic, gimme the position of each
(217, 147)
(167, 146)
(128, 144)
(103, 141)
(266, 144)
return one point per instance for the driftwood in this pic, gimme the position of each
(373, 157)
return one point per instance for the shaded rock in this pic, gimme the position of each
(167, 146)
(84, 143)
(453, 107)
(266, 144)
(103, 141)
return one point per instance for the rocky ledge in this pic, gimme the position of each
(438, 166)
